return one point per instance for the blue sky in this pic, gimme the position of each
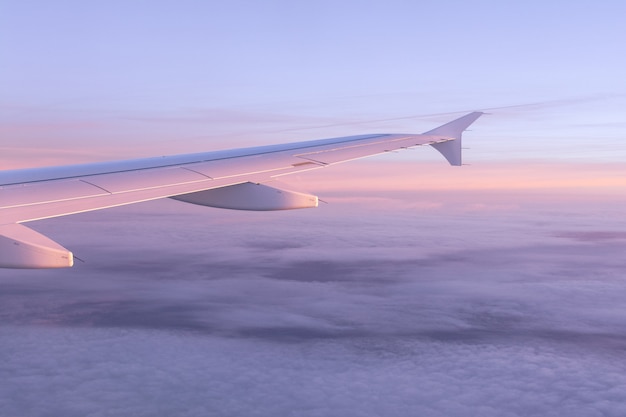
(124, 79)
(242, 53)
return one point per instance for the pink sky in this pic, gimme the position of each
(373, 175)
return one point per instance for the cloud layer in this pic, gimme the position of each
(181, 310)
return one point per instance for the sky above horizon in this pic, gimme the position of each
(494, 289)
(84, 82)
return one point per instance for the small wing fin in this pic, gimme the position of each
(451, 148)
(21, 247)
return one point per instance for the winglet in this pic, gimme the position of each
(451, 148)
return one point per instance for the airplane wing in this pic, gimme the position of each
(235, 179)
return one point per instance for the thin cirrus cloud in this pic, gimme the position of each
(547, 129)
(56, 138)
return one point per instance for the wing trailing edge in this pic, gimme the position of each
(233, 179)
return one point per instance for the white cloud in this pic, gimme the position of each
(102, 372)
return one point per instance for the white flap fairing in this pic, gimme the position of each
(250, 196)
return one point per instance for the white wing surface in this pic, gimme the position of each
(234, 179)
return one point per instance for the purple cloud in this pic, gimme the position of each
(191, 311)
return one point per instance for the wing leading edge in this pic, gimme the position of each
(239, 179)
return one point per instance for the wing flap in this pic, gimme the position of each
(121, 182)
(32, 212)
(269, 164)
(47, 192)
